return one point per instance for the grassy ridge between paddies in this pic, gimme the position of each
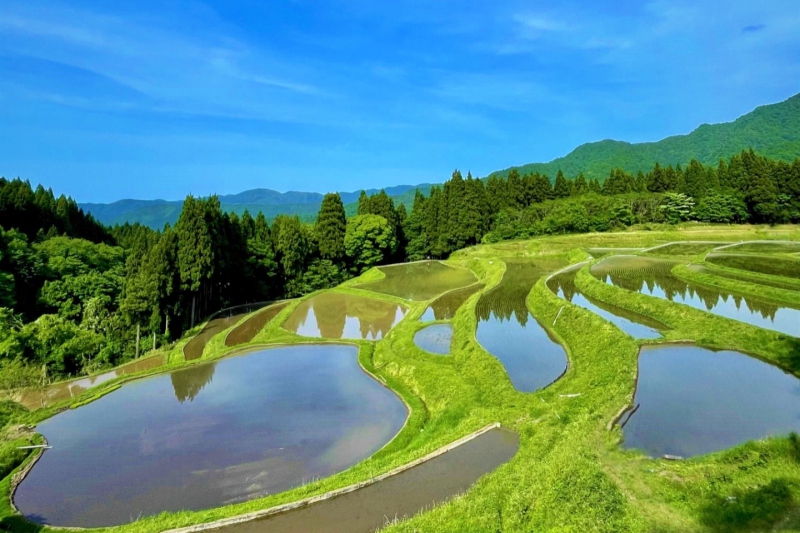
(422, 434)
(754, 277)
(569, 474)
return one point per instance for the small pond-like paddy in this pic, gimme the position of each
(653, 277)
(691, 401)
(400, 496)
(247, 330)
(210, 435)
(420, 281)
(634, 324)
(334, 315)
(445, 307)
(774, 266)
(435, 339)
(507, 330)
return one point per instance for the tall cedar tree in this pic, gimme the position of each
(331, 227)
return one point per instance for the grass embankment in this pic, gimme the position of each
(569, 474)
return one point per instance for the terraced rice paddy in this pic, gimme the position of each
(445, 307)
(191, 440)
(774, 266)
(435, 339)
(334, 315)
(653, 277)
(762, 247)
(223, 320)
(634, 324)
(507, 330)
(684, 248)
(247, 330)
(691, 401)
(420, 281)
(34, 398)
(743, 276)
(602, 252)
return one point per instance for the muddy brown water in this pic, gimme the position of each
(57, 392)
(247, 330)
(445, 307)
(224, 319)
(210, 435)
(334, 315)
(400, 496)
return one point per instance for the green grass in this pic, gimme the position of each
(570, 474)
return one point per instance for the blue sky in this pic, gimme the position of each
(105, 100)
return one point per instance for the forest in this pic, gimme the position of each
(77, 297)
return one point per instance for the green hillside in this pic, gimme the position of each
(771, 130)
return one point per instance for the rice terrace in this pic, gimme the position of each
(399, 267)
(600, 436)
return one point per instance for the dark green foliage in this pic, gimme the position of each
(40, 213)
(331, 227)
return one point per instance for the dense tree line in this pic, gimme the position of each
(745, 188)
(76, 297)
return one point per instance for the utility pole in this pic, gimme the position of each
(138, 332)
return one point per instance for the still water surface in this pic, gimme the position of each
(420, 281)
(435, 339)
(33, 399)
(213, 434)
(400, 496)
(335, 315)
(247, 330)
(694, 401)
(445, 307)
(634, 324)
(653, 277)
(507, 330)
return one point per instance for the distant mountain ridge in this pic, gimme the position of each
(156, 213)
(771, 130)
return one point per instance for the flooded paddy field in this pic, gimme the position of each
(604, 251)
(445, 307)
(57, 392)
(692, 401)
(247, 330)
(222, 321)
(210, 435)
(334, 315)
(774, 266)
(435, 339)
(727, 274)
(420, 281)
(653, 277)
(634, 324)
(765, 247)
(684, 248)
(507, 329)
(400, 496)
